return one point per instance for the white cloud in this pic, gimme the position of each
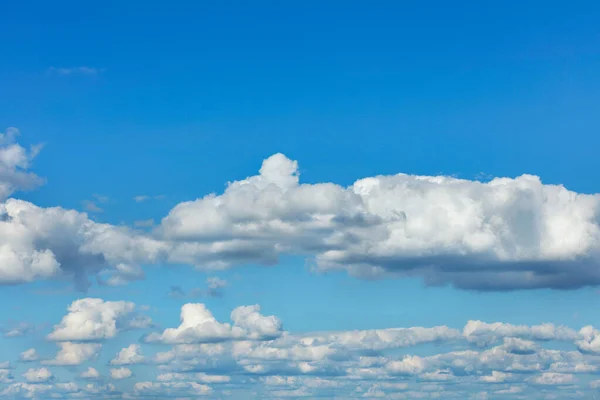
(70, 353)
(496, 377)
(199, 325)
(40, 375)
(506, 233)
(553, 379)
(19, 329)
(498, 235)
(120, 373)
(44, 243)
(15, 160)
(90, 373)
(93, 319)
(214, 283)
(159, 388)
(484, 333)
(5, 376)
(589, 339)
(197, 377)
(29, 355)
(128, 356)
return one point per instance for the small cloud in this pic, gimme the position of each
(214, 289)
(101, 199)
(141, 198)
(214, 282)
(145, 223)
(91, 206)
(75, 71)
(176, 292)
(17, 330)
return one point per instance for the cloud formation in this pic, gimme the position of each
(92, 319)
(253, 356)
(198, 325)
(505, 234)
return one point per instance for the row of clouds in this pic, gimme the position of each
(254, 355)
(499, 235)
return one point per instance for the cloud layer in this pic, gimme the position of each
(504, 234)
(255, 358)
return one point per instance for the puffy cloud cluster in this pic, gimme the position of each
(15, 161)
(198, 325)
(40, 375)
(503, 234)
(70, 353)
(120, 373)
(498, 235)
(254, 357)
(128, 356)
(94, 319)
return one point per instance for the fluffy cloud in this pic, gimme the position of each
(94, 319)
(90, 373)
(15, 160)
(43, 243)
(484, 333)
(503, 234)
(199, 325)
(209, 358)
(40, 375)
(154, 389)
(70, 353)
(120, 373)
(499, 235)
(29, 355)
(553, 379)
(128, 356)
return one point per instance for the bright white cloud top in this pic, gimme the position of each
(498, 235)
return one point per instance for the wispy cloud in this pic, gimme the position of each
(214, 289)
(92, 205)
(75, 71)
(141, 198)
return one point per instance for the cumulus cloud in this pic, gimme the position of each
(484, 333)
(120, 373)
(6, 375)
(553, 379)
(503, 234)
(50, 243)
(70, 353)
(40, 375)
(253, 356)
(29, 355)
(128, 356)
(94, 319)
(199, 325)
(154, 389)
(15, 161)
(90, 373)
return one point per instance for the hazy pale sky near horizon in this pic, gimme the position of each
(299, 200)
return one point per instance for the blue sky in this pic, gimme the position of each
(172, 137)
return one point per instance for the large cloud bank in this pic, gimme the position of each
(499, 235)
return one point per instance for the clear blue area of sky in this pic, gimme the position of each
(190, 95)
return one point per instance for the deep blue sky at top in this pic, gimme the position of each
(194, 94)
